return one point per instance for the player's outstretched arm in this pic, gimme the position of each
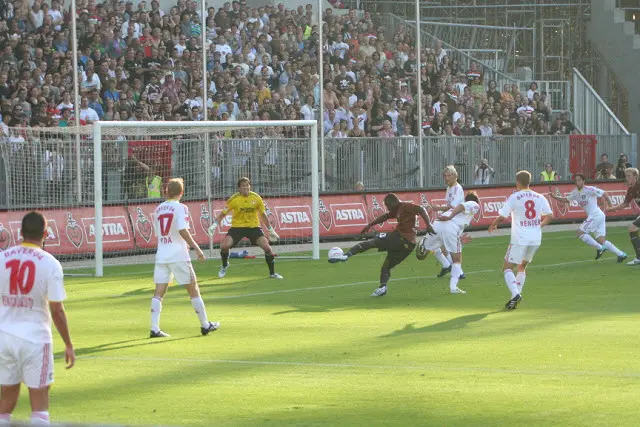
(425, 217)
(378, 220)
(560, 199)
(184, 233)
(273, 236)
(621, 206)
(494, 226)
(456, 211)
(59, 317)
(216, 221)
(546, 219)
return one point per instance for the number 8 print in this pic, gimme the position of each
(530, 209)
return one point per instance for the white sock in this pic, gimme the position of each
(520, 278)
(510, 280)
(5, 419)
(611, 247)
(156, 308)
(40, 418)
(198, 306)
(590, 241)
(456, 271)
(441, 258)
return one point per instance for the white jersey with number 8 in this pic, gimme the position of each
(29, 279)
(526, 208)
(171, 217)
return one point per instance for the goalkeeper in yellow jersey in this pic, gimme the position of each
(248, 208)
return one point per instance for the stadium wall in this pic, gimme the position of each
(131, 228)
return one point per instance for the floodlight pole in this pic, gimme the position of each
(76, 97)
(421, 161)
(205, 116)
(320, 49)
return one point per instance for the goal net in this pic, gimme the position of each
(99, 185)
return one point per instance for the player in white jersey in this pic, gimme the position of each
(586, 197)
(32, 291)
(529, 212)
(173, 259)
(449, 228)
(454, 196)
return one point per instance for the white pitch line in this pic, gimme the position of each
(368, 282)
(365, 366)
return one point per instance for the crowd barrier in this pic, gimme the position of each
(131, 227)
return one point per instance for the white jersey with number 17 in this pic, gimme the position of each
(526, 208)
(29, 279)
(171, 217)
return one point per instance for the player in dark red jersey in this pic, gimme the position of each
(399, 243)
(633, 194)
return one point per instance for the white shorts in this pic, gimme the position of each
(25, 362)
(518, 253)
(595, 225)
(447, 235)
(182, 271)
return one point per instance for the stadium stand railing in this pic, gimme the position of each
(590, 113)
(53, 170)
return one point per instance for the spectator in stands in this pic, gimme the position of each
(623, 163)
(548, 174)
(483, 173)
(533, 89)
(604, 160)
(606, 172)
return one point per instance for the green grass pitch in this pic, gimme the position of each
(316, 349)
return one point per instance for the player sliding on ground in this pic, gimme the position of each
(454, 196)
(586, 197)
(32, 291)
(248, 208)
(529, 212)
(449, 227)
(633, 194)
(399, 243)
(173, 260)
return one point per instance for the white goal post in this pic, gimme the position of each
(284, 154)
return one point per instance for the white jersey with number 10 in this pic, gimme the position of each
(526, 208)
(171, 217)
(29, 279)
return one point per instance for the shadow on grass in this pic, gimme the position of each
(447, 325)
(309, 309)
(120, 345)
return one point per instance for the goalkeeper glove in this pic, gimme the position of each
(273, 236)
(212, 227)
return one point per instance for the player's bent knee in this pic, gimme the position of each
(633, 228)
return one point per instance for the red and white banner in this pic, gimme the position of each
(128, 228)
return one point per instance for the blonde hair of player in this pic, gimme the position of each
(523, 179)
(632, 171)
(175, 188)
(450, 170)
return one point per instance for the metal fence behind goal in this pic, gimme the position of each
(54, 170)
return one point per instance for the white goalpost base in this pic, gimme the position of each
(211, 157)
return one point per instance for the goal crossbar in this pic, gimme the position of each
(101, 128)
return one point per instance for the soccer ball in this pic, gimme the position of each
(421, 251)
(335, 252)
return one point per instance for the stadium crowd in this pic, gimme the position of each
(138, 62)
